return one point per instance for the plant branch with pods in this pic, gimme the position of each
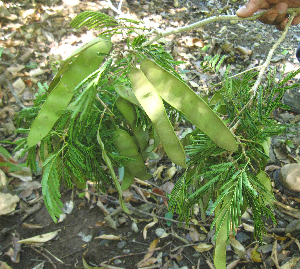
(110, 106)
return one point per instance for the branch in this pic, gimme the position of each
(117, 10)
(209, 20)
(263, 68)
(271, 52)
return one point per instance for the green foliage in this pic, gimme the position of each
(212, 63)
(50, 185)
(106, 23)
(234, 185)
(114, 115)
(92, 19)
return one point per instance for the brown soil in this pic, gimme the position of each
(86, 217)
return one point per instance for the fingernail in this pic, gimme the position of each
(241, 10)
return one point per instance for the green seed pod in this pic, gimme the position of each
(74, 71)
(184, 99)
(154, 107)
(127, 147)
(128, 111)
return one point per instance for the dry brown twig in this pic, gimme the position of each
(45, 256)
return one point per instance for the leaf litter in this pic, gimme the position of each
(44, 27)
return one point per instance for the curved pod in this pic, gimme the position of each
(127, 147)
(184, 99)
(85, 63)
(128, 111)
(154, 107)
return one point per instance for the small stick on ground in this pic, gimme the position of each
(139, 192)
(274, 256)
(105, 211)
(132, 254)
(45, 256)
(210, 265)
(59, 260)
(74, 252)
(18, 101)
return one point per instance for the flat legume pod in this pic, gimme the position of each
(127, 147)
(127, 179)
(85, 63)
(154, 107)
(127, 94)
(183, 98)
(69, 59)
(129, 112)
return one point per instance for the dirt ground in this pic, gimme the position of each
(41, 30)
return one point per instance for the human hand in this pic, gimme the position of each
(276, 13)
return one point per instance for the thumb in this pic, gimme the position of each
(251, 7)
(247, 11)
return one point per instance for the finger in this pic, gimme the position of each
(282, 25)
(291, 3)
(269, 17)
(282, 8)
(251, 7)
(296, 20)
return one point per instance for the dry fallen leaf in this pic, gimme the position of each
(150, 252)
(128, 196)
(248, 227)
(3, 265)
(14, 252)
(203, 247)
(162, 194)
(110, 222)
(19, 85)
(15, 69)
(4, 13)
(147, 263)
(40, 265)
(194, 234)
(293, 226)
(10, 253)
(36, 72)
(149, 225)
(8, 203)
(39, 238)
(32, 226)
(158, 172)
(255, 256)
(291, 263)
(3, 179)
(142, 182)
(168, 187)
(237, 247)
(24, 174)
(27, 187)
(233, 264)
(108, 237)
(170, 173)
